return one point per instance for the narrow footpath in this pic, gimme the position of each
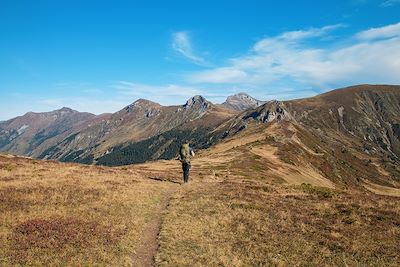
(148, 245)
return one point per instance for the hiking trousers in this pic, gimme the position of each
(186, 169)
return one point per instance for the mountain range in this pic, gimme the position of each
(70, 135)
(347, 134)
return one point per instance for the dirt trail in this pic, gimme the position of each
(382, 190)
(148, 245)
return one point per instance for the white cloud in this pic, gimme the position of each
(388, 31)
(181, 43)
(139, 89)
(390, 3)
(169, 94)
(371, 56)
(294, 37)
(220, 75)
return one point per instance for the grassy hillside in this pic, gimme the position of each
(262, 198)
(67, 214)
(248, 207)
(257, 222)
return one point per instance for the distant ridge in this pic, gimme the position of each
(85, 137)
(24, 134)
(366, 115)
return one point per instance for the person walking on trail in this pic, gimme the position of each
(185, 155)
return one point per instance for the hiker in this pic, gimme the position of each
(185, 155)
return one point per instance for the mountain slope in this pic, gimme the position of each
(292, 181)
(347, 136)
(240, 196)
(370, 113)
(25, 134)
(135, 124)
(352, 132)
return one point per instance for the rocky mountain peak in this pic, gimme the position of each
(197, 100)
(240, 95)
(241, 102)
(270, 111)
(142, 104)
(65, 109)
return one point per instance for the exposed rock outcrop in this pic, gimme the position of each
(241, 102)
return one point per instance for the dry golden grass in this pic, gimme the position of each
(247, 212)
(66, 214)
(255, 200)
(261, 223)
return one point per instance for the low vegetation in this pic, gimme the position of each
(247, 204)
(57, 214)
(318, 190)
(261, 223)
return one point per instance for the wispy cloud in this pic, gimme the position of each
(163, 94)
(83, 104)
(390, 3)
(139, 89)
(182, 44)
(389, 31)
(294, 37)
(170, 94)
(295, 58)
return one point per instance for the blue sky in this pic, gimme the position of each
(100, 56)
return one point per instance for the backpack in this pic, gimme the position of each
(184, 153)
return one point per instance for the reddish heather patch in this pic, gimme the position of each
(53, 233)
(57, 233)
